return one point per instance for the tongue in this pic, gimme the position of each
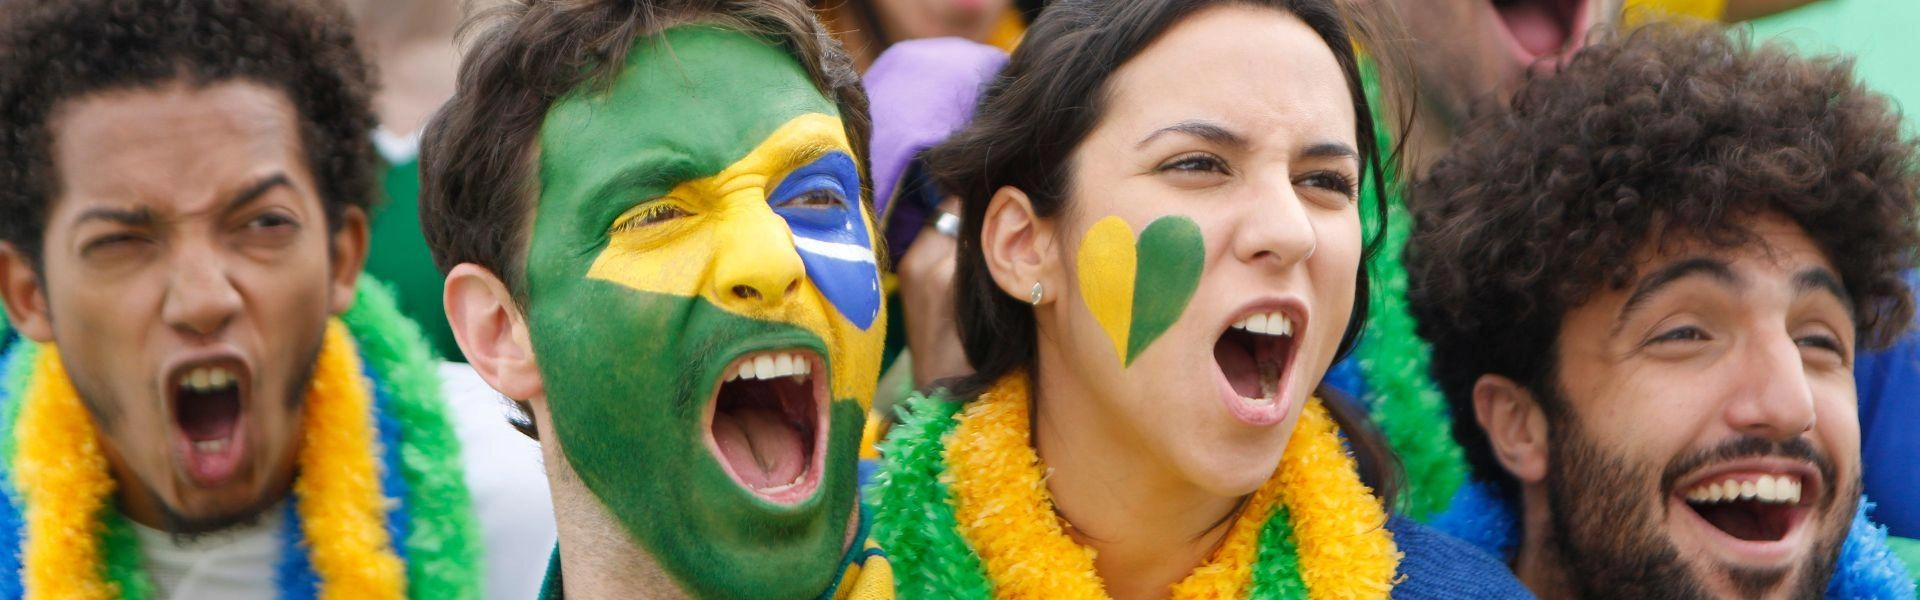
(762, 446)
(1535, 27)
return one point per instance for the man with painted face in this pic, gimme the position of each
(1644, 286)
(656, 238)
(209, 403)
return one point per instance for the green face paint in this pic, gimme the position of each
(636, 329)
(1137, 289)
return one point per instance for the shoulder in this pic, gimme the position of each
(1437, 565)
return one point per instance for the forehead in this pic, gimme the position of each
(174, 143)
(1260, 69)
(688, 103)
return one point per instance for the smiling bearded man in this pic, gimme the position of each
(1645, 287)
(656, 236)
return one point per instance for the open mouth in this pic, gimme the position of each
(1752, 507)
(1541, 28)
(1254, 355)
(209, 400)
(768, 423)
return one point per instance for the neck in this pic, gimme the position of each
(1149, 527)
(1426, 139)
(1537, 562)
(604, 562)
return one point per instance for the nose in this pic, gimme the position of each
(1276, 230)
(201, 299)
(756, 266)
(1778, 404)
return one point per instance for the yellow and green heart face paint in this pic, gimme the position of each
(1136, 289)
(701, 212)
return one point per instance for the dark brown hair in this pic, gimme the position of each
(1050, 96)
(55, 51)
(1676, 132)
(478, 156)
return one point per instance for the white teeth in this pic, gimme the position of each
(1772, 489)
(769, 366)
(210, 446)
(207, 379)
(1272, 323)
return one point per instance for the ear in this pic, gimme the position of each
(22, 295)
(1018, 245)
(1516, 426)
(349, 254)
(492, 332)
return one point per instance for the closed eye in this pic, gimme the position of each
(1823, 342)
(651, 214)
(1680, 334)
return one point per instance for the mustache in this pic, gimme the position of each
(1796, 448)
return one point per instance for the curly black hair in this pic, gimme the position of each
(56, 51)
(1670, 133)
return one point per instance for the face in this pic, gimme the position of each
(705, 306)
(190, 273)
(1212, 241)
(916, 19)
(1712, 409)
(1467, 51)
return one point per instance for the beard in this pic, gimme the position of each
(1611, 542)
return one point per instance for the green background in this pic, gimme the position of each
(1883, 35)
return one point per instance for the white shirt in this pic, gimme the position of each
(510, 503)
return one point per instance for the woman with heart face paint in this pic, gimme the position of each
(1153, 279)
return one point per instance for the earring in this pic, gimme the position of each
(1034, 298)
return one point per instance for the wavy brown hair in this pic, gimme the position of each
(1670, 133)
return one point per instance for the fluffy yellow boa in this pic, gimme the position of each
(1006, 513)
(63, 477)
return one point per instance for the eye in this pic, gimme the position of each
(1195, 163)
(271, 221)
(111, 241)
(1823, 342)
(1333, 181)
(1686, 333)
(651, 214)
(818, 198)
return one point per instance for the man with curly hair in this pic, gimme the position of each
(211, 403)
(1645, 286)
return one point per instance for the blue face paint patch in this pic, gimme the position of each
(820, 202)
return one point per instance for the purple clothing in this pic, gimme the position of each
(921, 91)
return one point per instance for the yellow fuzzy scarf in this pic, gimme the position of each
(63, 477)
(1006, 513)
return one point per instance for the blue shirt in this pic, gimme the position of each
(1889, 384)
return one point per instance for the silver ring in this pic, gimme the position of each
(948, 224)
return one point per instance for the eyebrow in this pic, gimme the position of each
(1715, 269)
(255, 191)
(1330, 150)
(1205, 130)
(1819, 279)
